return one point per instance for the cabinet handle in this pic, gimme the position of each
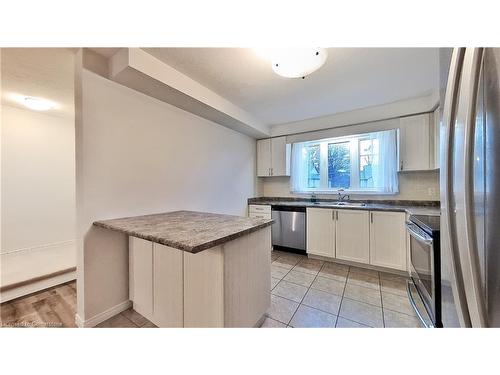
(371, 217)
(333, 215)
(336, 215)
(272, 171)
(401, 165)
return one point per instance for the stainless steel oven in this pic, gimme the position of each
(424, 289)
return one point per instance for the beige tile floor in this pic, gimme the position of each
(312, 293)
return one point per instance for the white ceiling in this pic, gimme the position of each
(46, 73)
(352, 78)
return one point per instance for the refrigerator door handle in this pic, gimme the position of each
(475, 299)
(449, 115)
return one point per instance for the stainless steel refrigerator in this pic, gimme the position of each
(470, 189)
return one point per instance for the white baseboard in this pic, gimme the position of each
(36, 286)
(101, 317)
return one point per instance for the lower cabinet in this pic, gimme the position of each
(388, 239)
(353, 235)
(320, 234)
(224, 286)
(377, 238)
(153, 265)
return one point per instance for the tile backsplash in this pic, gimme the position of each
(412, 186)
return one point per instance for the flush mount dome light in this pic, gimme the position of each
(37, 104)
(295, 62)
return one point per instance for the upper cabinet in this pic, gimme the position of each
(264, 157)
(419, 142)
(415, 143)
(435, 125)
(273, 157)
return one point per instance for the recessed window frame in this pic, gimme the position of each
(354, 147)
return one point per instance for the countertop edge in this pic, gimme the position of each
(189, 249)
(434, 211)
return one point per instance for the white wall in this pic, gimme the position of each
(137, 155)
(359, 116)
(38, 194)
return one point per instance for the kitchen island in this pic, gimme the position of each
(195, 269)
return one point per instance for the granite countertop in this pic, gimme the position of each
(411, 207)
(186, 230)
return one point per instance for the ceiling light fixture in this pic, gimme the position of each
(37, 104)
(294, 62)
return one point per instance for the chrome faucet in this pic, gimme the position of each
(342, 197)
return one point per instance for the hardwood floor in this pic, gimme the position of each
(55, 307)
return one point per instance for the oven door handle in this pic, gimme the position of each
(414, 305)
(418, 236)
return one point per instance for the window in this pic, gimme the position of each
(313, 162)
(339, 165)
(368, 161)
(363, 163)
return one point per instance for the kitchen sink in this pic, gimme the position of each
(336, 204)
(350, 204)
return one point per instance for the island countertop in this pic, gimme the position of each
(186, 230)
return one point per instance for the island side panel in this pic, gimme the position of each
(204, 288)
(141, 276)
(103, 280)
(247, 279)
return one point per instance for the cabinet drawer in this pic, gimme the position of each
(257, 208)
(259, 215)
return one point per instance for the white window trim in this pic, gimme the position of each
(354, 175)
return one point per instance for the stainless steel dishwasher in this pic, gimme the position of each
(289, 228)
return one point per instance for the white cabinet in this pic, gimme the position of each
(435, 138)
(224, 286)
(376, 238)
(156, 285)
(273, 157)
(353, 236)
(415, 143)
(264, 157)
(259, 211)
(320, 232)
(388, 239)
(167, 286)
(280, 157)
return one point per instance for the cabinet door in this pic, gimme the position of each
(140, 280)
(280, 157)
(263, 157)
(414, 148)
(353, 235)
(168, 286)
(320, 232)
(388, 240)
